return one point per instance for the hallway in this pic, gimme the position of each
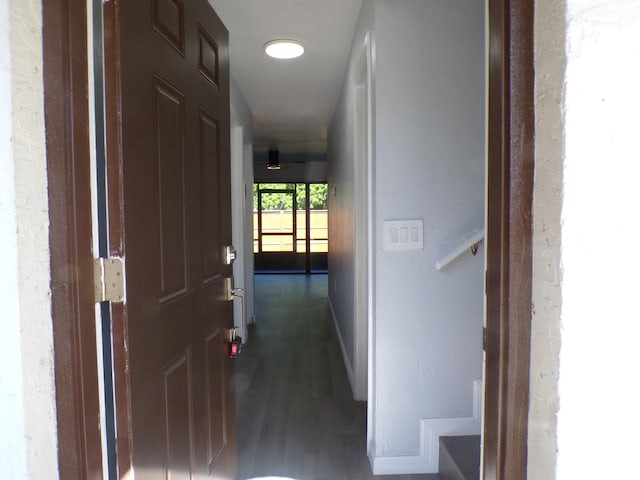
(296, 414)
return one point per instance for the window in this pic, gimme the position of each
(278, 229)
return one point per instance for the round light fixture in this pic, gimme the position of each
(283, 49)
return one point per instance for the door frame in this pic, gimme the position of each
(288, 261)
(294, 217)
(364, 205)
(510, 173)
(238, 219)
(65, 75)
(116, 246)
(509, 234)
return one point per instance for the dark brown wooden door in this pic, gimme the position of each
(168, 123)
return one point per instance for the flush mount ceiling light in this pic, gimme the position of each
(284, 49)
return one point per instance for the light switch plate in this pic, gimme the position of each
(403, 235)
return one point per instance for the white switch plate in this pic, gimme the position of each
(403, 235)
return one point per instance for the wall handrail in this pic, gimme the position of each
(471, 242)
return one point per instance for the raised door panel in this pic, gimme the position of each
(216, 398)
(210, 176)
(169, 136)
(179, 452)
(168, 21)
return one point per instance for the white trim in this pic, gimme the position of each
(362, 90)
(431, 429)
(427, 461)
(478, 398)
(369, 45)
(402, 465)
(347, 365)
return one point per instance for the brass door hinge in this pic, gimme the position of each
(109, 280)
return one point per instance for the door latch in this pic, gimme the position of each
(229, 255)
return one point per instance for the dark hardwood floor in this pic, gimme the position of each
(296, 413)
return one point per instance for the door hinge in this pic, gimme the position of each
(108, 280)
(484, 338)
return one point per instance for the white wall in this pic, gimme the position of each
(586, 284)
(429, 164)
(239, 104)
(342, 209)
(12, 441)
(27, 397)
(547, 272)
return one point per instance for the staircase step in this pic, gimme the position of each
(460, 457)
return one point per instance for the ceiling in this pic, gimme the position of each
(292, 101)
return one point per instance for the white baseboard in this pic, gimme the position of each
(431, 429)
(345, 358)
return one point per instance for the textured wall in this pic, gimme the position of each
(584, 417)
(12, 440)
(599, 381)
(547, 274)
(28, 323)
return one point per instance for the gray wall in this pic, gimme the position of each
(242, 205)
(429, 155)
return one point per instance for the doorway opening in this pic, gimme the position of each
(507, 404)
(290, 227)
